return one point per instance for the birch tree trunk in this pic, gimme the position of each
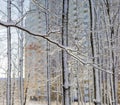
(48, 57)
(66, 87)
(9, 54)
(20, 42)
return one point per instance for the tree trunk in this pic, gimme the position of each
(9, 53)
(66, 87)
(48, 57)
(94, 52)
(20, 46)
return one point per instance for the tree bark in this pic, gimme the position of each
(9, 53)
(94, 53)
(66, 85)
(48, 57)
(20, 49)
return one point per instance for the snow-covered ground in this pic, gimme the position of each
(43, 103)
(54, 103)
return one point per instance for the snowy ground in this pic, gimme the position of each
(52, 103)
(45, 103)
(42, 103)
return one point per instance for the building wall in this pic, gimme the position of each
(36, 49)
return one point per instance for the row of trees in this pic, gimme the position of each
(89, 56)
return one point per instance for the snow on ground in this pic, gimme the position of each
(43, 103)
(53, 103)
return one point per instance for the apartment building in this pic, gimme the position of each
(40, 55)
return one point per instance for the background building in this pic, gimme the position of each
(43, 58)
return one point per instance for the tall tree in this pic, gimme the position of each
(66, 85)
(94, 52)
(20, 49)
(9, 53)
(48, 57)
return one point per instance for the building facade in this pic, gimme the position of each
(43, 60)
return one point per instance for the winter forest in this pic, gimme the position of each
(59, 52)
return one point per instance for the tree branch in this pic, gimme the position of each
(67, 49)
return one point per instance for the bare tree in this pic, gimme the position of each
(48, 57)
(9, 53)
(102, 63)
(20, 49)
(66, 85)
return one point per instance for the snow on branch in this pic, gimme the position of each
(44, 36)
